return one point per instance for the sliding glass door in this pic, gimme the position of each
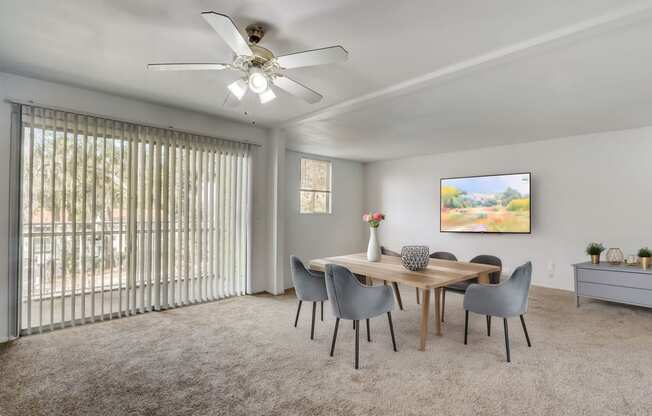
(119, 219)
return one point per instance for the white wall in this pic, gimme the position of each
(313, 236)
(59, 95)
(586, 188)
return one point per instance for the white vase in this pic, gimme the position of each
(373, 250)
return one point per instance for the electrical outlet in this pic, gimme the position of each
(551, 270)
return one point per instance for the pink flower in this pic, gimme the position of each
(377, 216)
(365, 218)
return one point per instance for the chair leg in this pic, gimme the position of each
(322, 311)
(357, 342)
(312, 327)
(296, 320)
(337, 324)
(368, 332)
(527, 337)
(417, 289)
(466, 326)
(506, 340)
(391, 330)
(488, 325)
(443, 303)
(397, 293)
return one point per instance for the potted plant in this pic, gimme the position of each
(374, 220)
(645, 254)
(594, 250)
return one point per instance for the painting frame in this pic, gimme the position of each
(529, 232)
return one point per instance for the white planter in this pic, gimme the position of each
(373, 250)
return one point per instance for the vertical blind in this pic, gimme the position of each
(119, 218)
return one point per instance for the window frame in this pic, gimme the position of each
(315, 191)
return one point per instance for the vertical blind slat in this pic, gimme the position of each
(165, 166)
(73, 209)
(186, 222)
(42, 236)
(211, 242)
(64, 220)
(120, 203)
(30, 248)
(173, 221)
(216, 237)
(93, 216)
(201, 194)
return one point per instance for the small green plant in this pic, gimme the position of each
(594, 249)
(645, 252)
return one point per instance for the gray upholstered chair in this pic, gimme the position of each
(386, 252)
(504, 300)
(460, 287)
(352, 300)
(309, 286)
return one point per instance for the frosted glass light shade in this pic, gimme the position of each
(238, 88)
(258, 81)
(266, 96)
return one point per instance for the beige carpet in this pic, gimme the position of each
(243, 357)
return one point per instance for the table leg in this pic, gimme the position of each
(425, 305)
(438, 310)
(484, 278)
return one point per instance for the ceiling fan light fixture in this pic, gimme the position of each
(258, 81)
(257, 66)
(266, 96)
(238, 88)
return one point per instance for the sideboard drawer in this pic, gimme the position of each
(614, 293)
(615, 278)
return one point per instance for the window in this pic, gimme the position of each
(120, 219)
(315, 192)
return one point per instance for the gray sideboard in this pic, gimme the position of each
(621, 283)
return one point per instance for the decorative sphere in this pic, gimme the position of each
(415, 258)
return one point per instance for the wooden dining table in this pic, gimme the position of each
(438, 274)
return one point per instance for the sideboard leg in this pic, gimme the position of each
(578, 301)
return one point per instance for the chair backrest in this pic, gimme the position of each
(308, 286)
(343, 291)
(443, 255)
(387, 252)
(494, 278)
(519, 286)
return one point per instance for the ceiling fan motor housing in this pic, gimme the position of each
(255, 32)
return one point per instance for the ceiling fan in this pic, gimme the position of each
(259, 68)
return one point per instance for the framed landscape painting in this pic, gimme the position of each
(486, 204)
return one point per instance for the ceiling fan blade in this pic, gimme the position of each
(298, 90)
(187, 67)
(227, 30)
(321, 56)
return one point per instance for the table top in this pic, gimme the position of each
(438, 273)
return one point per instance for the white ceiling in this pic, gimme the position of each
(423, 76)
